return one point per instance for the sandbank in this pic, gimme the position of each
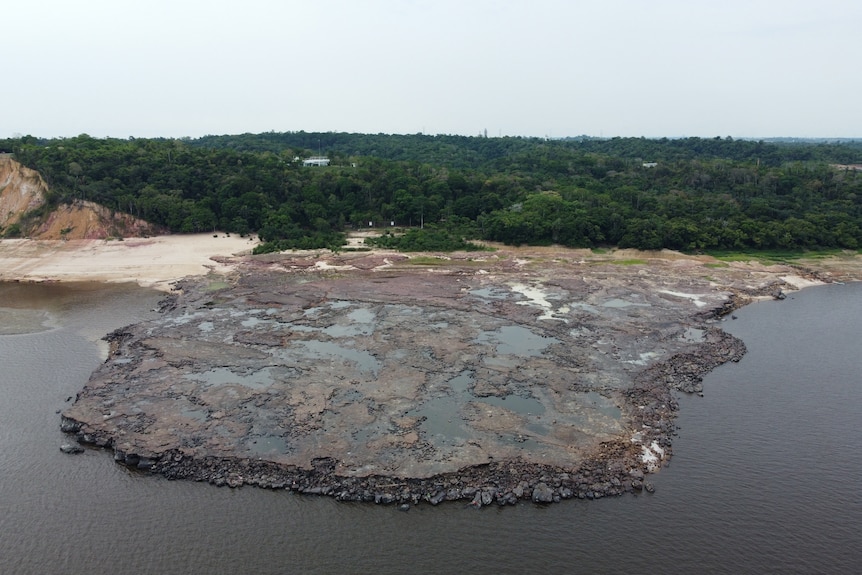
(150, 262)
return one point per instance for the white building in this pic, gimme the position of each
(316, 161)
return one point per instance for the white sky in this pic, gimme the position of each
(173, 68)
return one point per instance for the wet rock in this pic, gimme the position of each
(69, 425)
(145, 463)
(384, 498)
(477, 500)
(438, 498)
(71, 448)
(318, 429)
(542, 493)
(508, 499)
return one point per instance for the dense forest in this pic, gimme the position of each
(687, 194)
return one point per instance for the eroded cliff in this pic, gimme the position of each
(22, 191)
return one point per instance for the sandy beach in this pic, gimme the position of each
(150, 262)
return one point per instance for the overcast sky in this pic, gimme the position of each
(173, 68)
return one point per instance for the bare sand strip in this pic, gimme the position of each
(150, 262)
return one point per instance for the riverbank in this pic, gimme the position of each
(151, 262)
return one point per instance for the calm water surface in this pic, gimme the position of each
(764, 477)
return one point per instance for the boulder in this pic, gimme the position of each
(542, 493)
(437, 498)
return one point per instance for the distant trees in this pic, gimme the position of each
(700, 194)
(425, 240)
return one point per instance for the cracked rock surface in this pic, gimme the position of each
(486, 380)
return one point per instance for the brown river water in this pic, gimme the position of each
(764, 478)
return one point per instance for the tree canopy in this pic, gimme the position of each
(686, 194)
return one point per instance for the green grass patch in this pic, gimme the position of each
(717, 265)
(428, 261)
(217, 285)
(768, 257)
(629, 262)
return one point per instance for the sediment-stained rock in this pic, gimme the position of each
(485, 381)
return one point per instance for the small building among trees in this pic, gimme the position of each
(316, 161)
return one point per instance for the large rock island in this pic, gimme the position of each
(543, 374)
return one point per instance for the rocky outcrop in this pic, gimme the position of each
(485, 387)
(89, 221)
(21, 190)
(685, 371)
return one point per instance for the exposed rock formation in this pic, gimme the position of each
(89, 221)
(23, 190)
(485, 384)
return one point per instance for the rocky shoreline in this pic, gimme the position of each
(607, 387)
(618, 467)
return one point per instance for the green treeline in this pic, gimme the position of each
(687, 194)
(431, 239)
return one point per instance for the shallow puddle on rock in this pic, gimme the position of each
(324, 349)
(443, 417)
(603, 404)
(621, 303)
(584, 307)
(516, 340)
(338, 330)
(461, 382)
(489, 293)
(693, 335)
(268, 444)
(253, 322)
(311, 311)
(442, 413)
(361, 315)
(196, 414)
(224, 376)
(516, 403)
